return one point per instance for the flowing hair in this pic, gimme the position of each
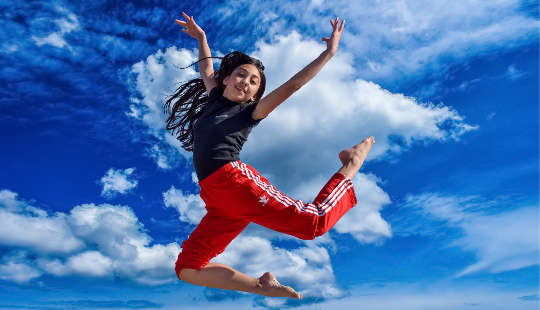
(189, 100)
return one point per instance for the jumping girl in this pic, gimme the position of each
(213, 116)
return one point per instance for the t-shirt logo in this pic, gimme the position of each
(263, 199)
(224, 115)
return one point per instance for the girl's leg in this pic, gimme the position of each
(263, 204)
(215, 231)
(224, 277)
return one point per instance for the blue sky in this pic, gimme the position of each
(96, 197)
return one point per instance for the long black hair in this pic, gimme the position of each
(190, 98)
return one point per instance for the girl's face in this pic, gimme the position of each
(243, 83)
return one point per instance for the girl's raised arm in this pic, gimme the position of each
(277, 96)
(206, 67)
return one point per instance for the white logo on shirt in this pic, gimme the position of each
(224, 115)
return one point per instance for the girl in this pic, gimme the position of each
(215, 127)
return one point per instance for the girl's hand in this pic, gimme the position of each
(192, 29)
(333, 42)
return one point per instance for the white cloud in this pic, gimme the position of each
(194, 178)
(52, 266)
(24, 226)
(54, 39)
(502, 242)
(157, 78)
(160, 158)
(92, 240)
(190, 207)
(364, 221)
(10, 202)
(117, 182)
(65, 25)
(14, 267)
(91, 263)
(115, 230)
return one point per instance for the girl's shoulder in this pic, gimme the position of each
(215, 93)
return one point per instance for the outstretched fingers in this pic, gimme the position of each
(187, 17)
(190, 26)
(342, 25)
(189, 21)
(335, 23)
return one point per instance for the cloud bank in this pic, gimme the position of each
(91, 240)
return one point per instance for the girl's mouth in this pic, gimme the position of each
(240, 90)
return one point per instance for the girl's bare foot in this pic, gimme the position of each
(272, 288)
(360, 150)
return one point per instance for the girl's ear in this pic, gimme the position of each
(226, 80)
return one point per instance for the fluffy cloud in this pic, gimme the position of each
(92, 240)
(190, 207)
(91, 263)
(155, 79)
(364, 221)
(504, 241)
(24, 226)
(117, 182)
(14, 267)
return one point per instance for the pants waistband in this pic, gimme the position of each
(219, 174)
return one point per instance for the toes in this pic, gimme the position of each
(369, 140)
(273, 288)
(291, 292)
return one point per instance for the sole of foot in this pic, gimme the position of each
(273, 288)
(361, 149)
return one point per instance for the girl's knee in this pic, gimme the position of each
(186, 266)
(186, 274)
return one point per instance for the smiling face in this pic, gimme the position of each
(243, 83)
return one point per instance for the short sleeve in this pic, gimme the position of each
(248, 112)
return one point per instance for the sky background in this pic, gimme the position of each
(96, 197)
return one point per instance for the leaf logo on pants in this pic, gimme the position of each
(263, 199)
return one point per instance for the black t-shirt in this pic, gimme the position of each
(220, 132)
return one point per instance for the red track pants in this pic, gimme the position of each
(236, 194)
